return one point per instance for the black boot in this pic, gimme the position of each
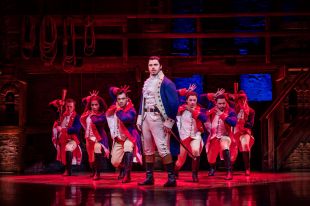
(128, 165)
(226, 154)
(246, 160)
(176, 169)
(69, 156)
(121, 169)
(149, 175)
(93, 170)
(212, 169)
(121, 172)
(176, 172)
(171, 182)
(97, 167)
(195, 168)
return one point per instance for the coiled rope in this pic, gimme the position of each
(48, 40)
(28, 37)
(89, 37)
(69, 41)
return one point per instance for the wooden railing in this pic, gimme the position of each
(268, 124)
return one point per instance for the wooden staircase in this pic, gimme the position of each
(296, 133)
(279, 142)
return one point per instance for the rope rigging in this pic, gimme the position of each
(89, 36)
(48, 40)
(28, 37)
(69, 42)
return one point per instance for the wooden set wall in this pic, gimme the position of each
(299, 159)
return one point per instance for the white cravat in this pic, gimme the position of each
(149, 90)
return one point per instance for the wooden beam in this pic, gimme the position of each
(214, 35)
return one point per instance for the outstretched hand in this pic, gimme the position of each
(57, 103)
(219, 92)
(191, 87)
(125, 88)
(94, 93)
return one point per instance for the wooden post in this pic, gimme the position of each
(267, 40)
(198, 42)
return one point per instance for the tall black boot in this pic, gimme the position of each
(149, 175)
(212, 169)
(246, 160)
(128, 165)
(93, 170)
(69, 156)
(171, 182)
(176, 171)
(121, 169)
(97, 166)
(121, 172)
(195, 168)
(226, 154)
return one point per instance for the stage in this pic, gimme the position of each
(258, 189)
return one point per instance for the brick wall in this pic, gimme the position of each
(10, 150)
(299, 159)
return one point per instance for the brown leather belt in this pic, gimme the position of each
(151, 110)
(118, 140)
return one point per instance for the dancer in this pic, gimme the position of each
(221, 119)
(66, 135)
(121, 117)
(242, 131)
(190, 120)
(93, 120)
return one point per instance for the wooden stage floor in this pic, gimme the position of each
(258, 189)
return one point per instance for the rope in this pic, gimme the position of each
(89, 29)
(69, 61)
(48, 40)
(28, 37)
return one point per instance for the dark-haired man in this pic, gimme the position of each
(65, 137)
(121, 117)
(157, 113)
(221, 119)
